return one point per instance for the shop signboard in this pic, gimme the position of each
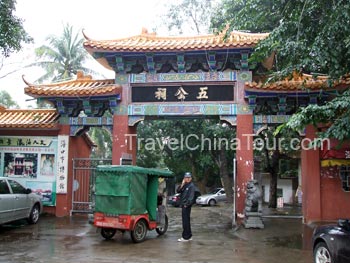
(33, 161)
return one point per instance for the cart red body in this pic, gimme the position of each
(127, 199)
(122, 222)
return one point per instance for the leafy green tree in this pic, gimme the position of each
(305, 35)
(271, 148)
(246, 15)
(62, 57)
(188, 16)
(189, 145)
(6, 100)
(103, 140)
(223, 152)
(12, 33)
(147, 155)
(183, 150)
(334, 115)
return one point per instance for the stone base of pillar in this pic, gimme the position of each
(253, 220)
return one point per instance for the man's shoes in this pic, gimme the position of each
(184, 240)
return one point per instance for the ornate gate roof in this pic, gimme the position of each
(82, 86)
(303, 82)
(30, 118)
(71, 97)
(150, 42)
(150, 53)
(286, 96)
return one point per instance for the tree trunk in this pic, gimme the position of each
(225, 178)
(273, 170)
(273, 190)
(202, 184)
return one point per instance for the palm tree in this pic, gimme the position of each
(62, 57)
(61, 60)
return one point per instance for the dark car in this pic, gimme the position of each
(331, 243)
(174, 200)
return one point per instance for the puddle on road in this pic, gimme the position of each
(295, 241)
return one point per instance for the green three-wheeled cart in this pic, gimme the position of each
(127, 199)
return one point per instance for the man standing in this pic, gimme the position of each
(186, 190)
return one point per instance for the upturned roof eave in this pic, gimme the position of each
(151, 42)
(83, 86)
(60, 96)
(93, 51)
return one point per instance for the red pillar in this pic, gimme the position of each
(311, 180)
(124, 140)
(244, 156)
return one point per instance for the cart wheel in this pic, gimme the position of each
(108, 233)
(138, 234)
(162, 230)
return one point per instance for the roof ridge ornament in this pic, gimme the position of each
(144, 32)
(85, 36)
(26, 82)
(81, 76)
(145, 35)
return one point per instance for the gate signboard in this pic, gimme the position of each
(183, 92)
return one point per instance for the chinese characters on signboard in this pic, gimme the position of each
(32, 161)
(160, 94)
(62, 164)
(25, 142)
(183, 93)
(203, 93)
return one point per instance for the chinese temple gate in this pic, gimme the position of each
(161, 77)
(188, 77)
(206, 76)
(199, 76)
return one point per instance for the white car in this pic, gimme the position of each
(212, 198)
(18, 202)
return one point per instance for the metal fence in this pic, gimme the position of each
(84, 174)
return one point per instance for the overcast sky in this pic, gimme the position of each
(102, 19)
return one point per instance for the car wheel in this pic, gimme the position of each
(34, 215)
(322, 254)
(108, 233)
(212, 202)
(138, 234)
(162, 230)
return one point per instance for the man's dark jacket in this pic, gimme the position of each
(186, 194)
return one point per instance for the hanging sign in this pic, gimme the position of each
(183, 93)
(62, 164)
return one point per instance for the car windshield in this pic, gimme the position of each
(215, 191)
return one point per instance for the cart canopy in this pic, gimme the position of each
(122, 169)
(126, 189)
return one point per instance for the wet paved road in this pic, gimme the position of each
(74, 240)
